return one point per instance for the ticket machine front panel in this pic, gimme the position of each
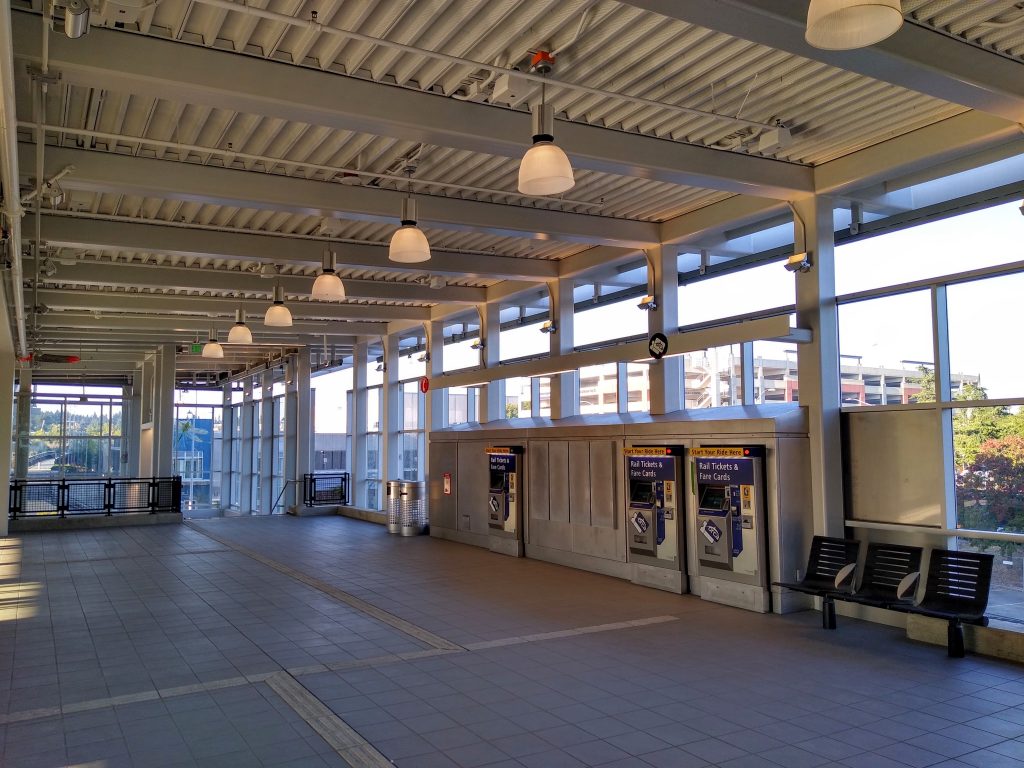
(652, 512)
(503, 492)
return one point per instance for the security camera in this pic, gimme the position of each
(799, 262)
(648, 304)
(548, 327)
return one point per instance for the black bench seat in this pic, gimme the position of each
(831, 564)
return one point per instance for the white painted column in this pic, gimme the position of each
(23, 426)
(133, 429)
(246, 468)
(492, 394)
(163, 413)
(359, 424)
(7, 370)
(391, 410)
(437, 397)
(147, 390)
(666, 375)
(565, 387)
(818, 362)
(266, 406)
(298, 426)
(227, 429)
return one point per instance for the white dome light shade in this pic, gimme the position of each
(213, 350)
(278, 316)
(239, 334)
(841, 25)
(545, 170)
(328, 287)
(409, 245)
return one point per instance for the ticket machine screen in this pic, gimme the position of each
(714, 497)
(641, 493)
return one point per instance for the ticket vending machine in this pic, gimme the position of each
(730, 525)
(504, 499)
(654, 507)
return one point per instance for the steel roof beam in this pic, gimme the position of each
(163, 304)
(177, 324)
(79, 232)
(184, 278)
(150, 67)
(109, 172)
(917, 58)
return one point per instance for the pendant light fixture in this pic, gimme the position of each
(239, 333)
(842, 25)
(278, 315)
(212, 348)
(545, 169)
(328, 286)
(409, 245)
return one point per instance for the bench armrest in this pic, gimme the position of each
(907, 585)
(845, 573)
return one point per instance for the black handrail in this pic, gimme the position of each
(100, 496)
(326, 488)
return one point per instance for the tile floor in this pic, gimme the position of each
(162, 646)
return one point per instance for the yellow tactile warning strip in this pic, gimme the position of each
(406, 627)
(350, 746)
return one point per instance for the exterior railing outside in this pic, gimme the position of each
(326, 488)
(102, 496)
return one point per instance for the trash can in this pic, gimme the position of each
(393, 505)
(413, 508)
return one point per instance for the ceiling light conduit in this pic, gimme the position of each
(333, 170)
(843, 25)
(461, 61)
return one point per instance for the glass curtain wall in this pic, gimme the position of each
(332, 442)
(374, 420)
(198, 433)
(75, 431)
(411, 437)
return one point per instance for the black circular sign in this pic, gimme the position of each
(657, 345)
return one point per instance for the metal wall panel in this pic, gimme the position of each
(558, 480)
(473, 481)
(893, 467)
(579, 482)
(537, 477)
(604, 472)
(443, 509)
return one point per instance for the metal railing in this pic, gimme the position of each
(326, 488)
(102, 496)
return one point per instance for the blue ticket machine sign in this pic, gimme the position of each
(652, 508)
(504, 492)
(730, 520)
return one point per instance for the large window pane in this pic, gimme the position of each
(609, 321)
(461, 355)
(984, 316)
(412, 406)
(599, 388)
(410, 455)
(638, 383)
(775, 373)
(969, 241)
(713, 377)
(518, 398)
(544, 401)
(524, 341)
(736, 293)
(886, 350)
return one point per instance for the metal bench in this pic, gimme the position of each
(957, 591)
(831, 564)
(891, 574)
